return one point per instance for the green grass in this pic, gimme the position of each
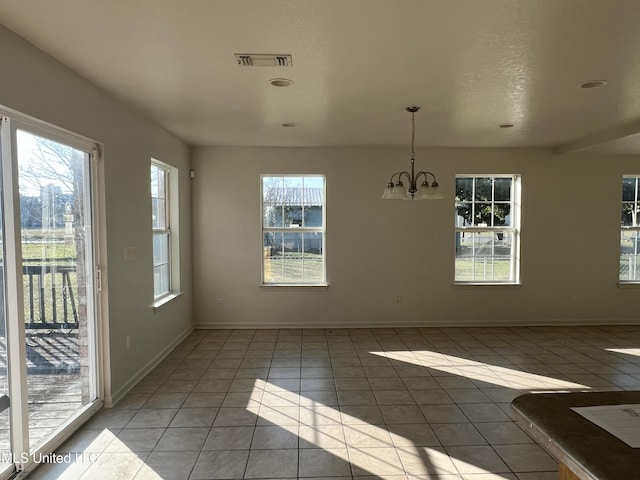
(47, 246)
(293, 268)
(469, 269)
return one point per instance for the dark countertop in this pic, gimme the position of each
(586, 449)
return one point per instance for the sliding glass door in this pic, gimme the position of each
(49, 292)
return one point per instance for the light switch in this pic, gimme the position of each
(130, 253)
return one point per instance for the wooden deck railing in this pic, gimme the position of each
(50, 296)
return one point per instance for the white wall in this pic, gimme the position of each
(35, 84)
(376, 249)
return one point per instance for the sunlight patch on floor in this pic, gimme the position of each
(627, 351)
(479, 371)
(370, 449)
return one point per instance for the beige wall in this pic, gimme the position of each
(35, 84)
(376, 249)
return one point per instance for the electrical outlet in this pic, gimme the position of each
(219, 299)
(398, 298)
(127, 342)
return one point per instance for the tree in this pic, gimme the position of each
(491, 196)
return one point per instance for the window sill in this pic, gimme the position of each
(164, 300)
(631, 285)
(295, 286)
(485, 284)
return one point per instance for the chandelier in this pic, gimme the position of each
(428, 189)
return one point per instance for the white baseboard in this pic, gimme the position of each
(546, 322)
(110, 401)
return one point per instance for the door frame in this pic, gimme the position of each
(10, 122)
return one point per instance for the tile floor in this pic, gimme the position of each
(427, 403)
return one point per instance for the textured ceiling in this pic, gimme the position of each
(471, 65)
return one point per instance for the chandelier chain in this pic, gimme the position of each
(413, 135)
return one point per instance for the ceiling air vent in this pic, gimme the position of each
(263, 60)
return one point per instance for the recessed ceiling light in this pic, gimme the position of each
(289, 124)
(506, 125)
(281, 82)
(593, 84)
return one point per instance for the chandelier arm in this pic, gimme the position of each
(408, 175)
(425, 175)
(392, 176)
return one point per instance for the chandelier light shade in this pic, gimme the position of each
(428, 188)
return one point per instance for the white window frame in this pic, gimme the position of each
(631, 259)
(513, 229)
(298, 229)
(170, 230)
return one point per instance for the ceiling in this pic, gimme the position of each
(356, 64)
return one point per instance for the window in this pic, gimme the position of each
(293, 230)
(630, 230)
(164, 187)
(487, 229)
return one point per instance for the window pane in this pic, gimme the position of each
(629, 267)
(160, 220)
(161, 267)
(293, 182)
(157, 281)
(483, 189)
(464, 267)
(464, 211)
(154, 180)
(160, 248)
(272, 266)
(272, 201)
(313, 243)
(158, 198)
(502, 214)
(273, 240)
(313, 216)
(160, 280)
(502, 189)
(293, 258)
(158, 182)
(161, 183)
(629, 189)
(502, 255)
(482, 214)
(293, 191)
(292, 242)
(293, 216)
(271, 188)
(154, 213)
(483, 256)
(629, 215)
(313, 259)
(292, 268)
(273, 216)
(464, 189)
